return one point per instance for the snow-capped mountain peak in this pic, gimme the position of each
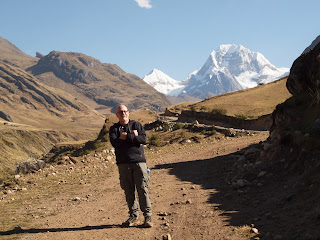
(163, 83)
(229, 68)
(233, 67)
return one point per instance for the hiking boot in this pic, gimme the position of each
(147, 222)
(132, 220)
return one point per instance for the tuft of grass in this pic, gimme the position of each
(204, 108)
(245, 231)
(177, 126)
(242, 116)
(154, 140)
(220, 111)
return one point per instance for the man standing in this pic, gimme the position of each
(127, 137)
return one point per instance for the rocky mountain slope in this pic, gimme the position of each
(34, 117)
(28, 101)
(12, 55)
(100, 85)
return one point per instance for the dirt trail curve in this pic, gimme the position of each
(190, 196)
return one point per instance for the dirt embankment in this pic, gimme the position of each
(262, 123)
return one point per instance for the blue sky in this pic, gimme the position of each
(174, 36)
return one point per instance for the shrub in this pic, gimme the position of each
(166, 127)
(192, 108)
(154, 140)
(242, 116)
(204, 108)
(182, 134)
(221, 111)
(177, 126)
(213, 132)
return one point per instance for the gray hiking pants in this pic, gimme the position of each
(134, 176)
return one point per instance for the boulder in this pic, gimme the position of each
(30, 165)
(305, 73)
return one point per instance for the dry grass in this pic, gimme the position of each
(20, 141)
(246, 231)
(22, 207)
(253, 102)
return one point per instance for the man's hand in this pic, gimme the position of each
(123, 136)
(135, 132)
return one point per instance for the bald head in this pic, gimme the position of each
(122, 114)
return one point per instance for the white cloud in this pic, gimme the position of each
(144, 3)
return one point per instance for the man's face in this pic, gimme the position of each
(123, 114)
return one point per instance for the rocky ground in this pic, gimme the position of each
(197, 191)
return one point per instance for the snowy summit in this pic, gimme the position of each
(229, 68)
(163, 83)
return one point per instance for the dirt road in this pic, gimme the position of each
(191, 199)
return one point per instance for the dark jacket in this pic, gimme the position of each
(131, 149)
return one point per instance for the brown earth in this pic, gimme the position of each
(190, 195)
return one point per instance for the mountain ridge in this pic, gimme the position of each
(96, 83)
(28, 101)
(229, 68)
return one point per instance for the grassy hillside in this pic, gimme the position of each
(252, 102)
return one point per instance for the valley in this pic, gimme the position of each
(208, 181)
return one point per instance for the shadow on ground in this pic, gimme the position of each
(19, 230)
(271, 209)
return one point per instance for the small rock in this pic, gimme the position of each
(167, 237)
(241, 183)
(251, 150)
(262, 173)
(188, 201)
(267, 146)
(73, 160)
(17, 229)
(258, 163)
(65, 158)
(162, 214)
